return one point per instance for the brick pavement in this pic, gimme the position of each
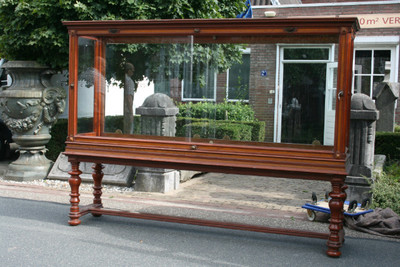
(245, 191)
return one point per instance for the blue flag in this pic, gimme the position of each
(248, 13)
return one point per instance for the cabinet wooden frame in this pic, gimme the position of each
(266, 159)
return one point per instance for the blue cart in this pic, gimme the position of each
(351, 208)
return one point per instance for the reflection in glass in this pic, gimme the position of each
(366, 85)
(87, 74)
(363, 61)
(380, 58)
(239, 79)
(306, 54)
(200, 80)
(303, 103)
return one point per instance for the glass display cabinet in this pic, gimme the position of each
(267, 97)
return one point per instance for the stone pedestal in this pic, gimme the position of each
(158, 117)
(361, 144)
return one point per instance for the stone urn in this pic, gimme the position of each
(29, 107)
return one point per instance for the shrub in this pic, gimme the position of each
(220, 130)
(386, 189)
(232, 111)
(257, 128)
(388, 143)
(56, 145)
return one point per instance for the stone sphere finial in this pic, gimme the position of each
(158, 100)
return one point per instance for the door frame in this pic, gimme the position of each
(279, 78)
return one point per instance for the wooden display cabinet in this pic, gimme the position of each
(279, 68)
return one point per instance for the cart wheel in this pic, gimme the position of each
(311, 215)
(365, 203)
(352, 206)
(314, 197)
(326, 196)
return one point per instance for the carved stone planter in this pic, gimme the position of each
(29, 108)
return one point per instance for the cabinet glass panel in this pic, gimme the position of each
(87, 75)
(188, 82)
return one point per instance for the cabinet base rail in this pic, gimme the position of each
(97, 211)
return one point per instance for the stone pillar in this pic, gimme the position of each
(363, 118)
(158, 117)
(385, 95)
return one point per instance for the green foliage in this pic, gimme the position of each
(388, 143)
(397, 128)
(257, 128)
(232, 111)
(214, 118)
(33, 30)
(56, 145)
(220, 130)
(386, 189)
(393, 170)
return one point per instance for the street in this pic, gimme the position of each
(36, 233)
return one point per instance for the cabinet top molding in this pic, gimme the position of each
(271, 26)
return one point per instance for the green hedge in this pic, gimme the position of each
(257, 128)
(220, 130)
(232, 111)
(388, 143)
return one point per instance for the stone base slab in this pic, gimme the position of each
(25, 173)
(113, 174)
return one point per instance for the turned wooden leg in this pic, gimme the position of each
(97, 186)
(336, 237)
(74, 182)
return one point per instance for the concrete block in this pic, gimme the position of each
(156, 180)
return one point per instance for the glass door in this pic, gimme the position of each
(303, 89)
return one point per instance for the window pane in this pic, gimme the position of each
(357, 84)
(87, 75)
(380, 57)
(378, 79)
(306, 54)
(366, 85)
(239, 79)
(363, 61)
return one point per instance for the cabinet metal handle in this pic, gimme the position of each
(340, 95)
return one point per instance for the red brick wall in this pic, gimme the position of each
(263, 58)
